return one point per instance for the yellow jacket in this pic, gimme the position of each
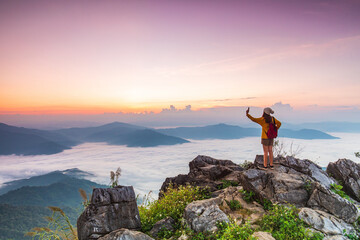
(264, 125)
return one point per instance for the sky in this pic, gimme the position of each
(71, 58)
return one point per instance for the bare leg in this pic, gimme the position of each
(266, 150)
(271, 156)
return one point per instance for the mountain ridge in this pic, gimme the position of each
(24, 141)
(225, 131)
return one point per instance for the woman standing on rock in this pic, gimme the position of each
(267, 141)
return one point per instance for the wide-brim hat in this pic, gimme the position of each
(268, 111)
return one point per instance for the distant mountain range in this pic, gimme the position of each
(224, 131)
(44, 180)
(23, 202)
(19, 140)
(24, 141)
(350, 127)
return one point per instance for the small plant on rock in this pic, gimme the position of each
(85, 198)
(267, 204)
(284, 224)
(280, 149)
(246, 164)
(227, 183)
(307, 186)
(336, 188)
(114, 177)
(248, 196)
(234, 205)
(351, 236)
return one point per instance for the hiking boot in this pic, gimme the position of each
(263, 168)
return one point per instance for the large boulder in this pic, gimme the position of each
(299, 166)
(109, 210)
(324, 199)
(203, 215)
(205, 172)
(277, 186)
(291, 181)
(324, 222)
(348, 173)
(125, 234)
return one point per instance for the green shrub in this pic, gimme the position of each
(172, 204)
(248, 196)
(336, 188)
(232, 231)
(351, 236)
(267, 204)
(227, 183)
(284, 224)
(354, 235)
(234, 205)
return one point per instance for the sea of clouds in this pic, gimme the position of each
(147, 168)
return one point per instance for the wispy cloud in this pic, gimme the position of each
(253, 60)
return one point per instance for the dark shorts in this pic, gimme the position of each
(267, 142)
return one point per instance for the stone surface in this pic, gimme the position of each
(249, 212)
(324, 222)
(164, 224)
(277, 186)
(109, 209)
(299, 166)
(348, 172)
(263, 236)
(324, 199)
(335, 237)
(183, 237)
(125, 234)
(203, 215)
(205, 172)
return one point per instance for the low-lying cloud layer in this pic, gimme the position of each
(147, 168)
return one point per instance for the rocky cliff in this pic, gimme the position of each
(301, 183)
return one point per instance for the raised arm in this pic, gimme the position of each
(257, 120)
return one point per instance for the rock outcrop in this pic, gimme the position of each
(294, 165)
(203, 215)
(325, 222)
(113, 213)
(110, 209)
(276, 186)
(323, 198)
(125, 234)
(205, 172)
(298, 182)
(348, 173)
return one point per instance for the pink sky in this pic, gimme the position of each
(111, 56)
